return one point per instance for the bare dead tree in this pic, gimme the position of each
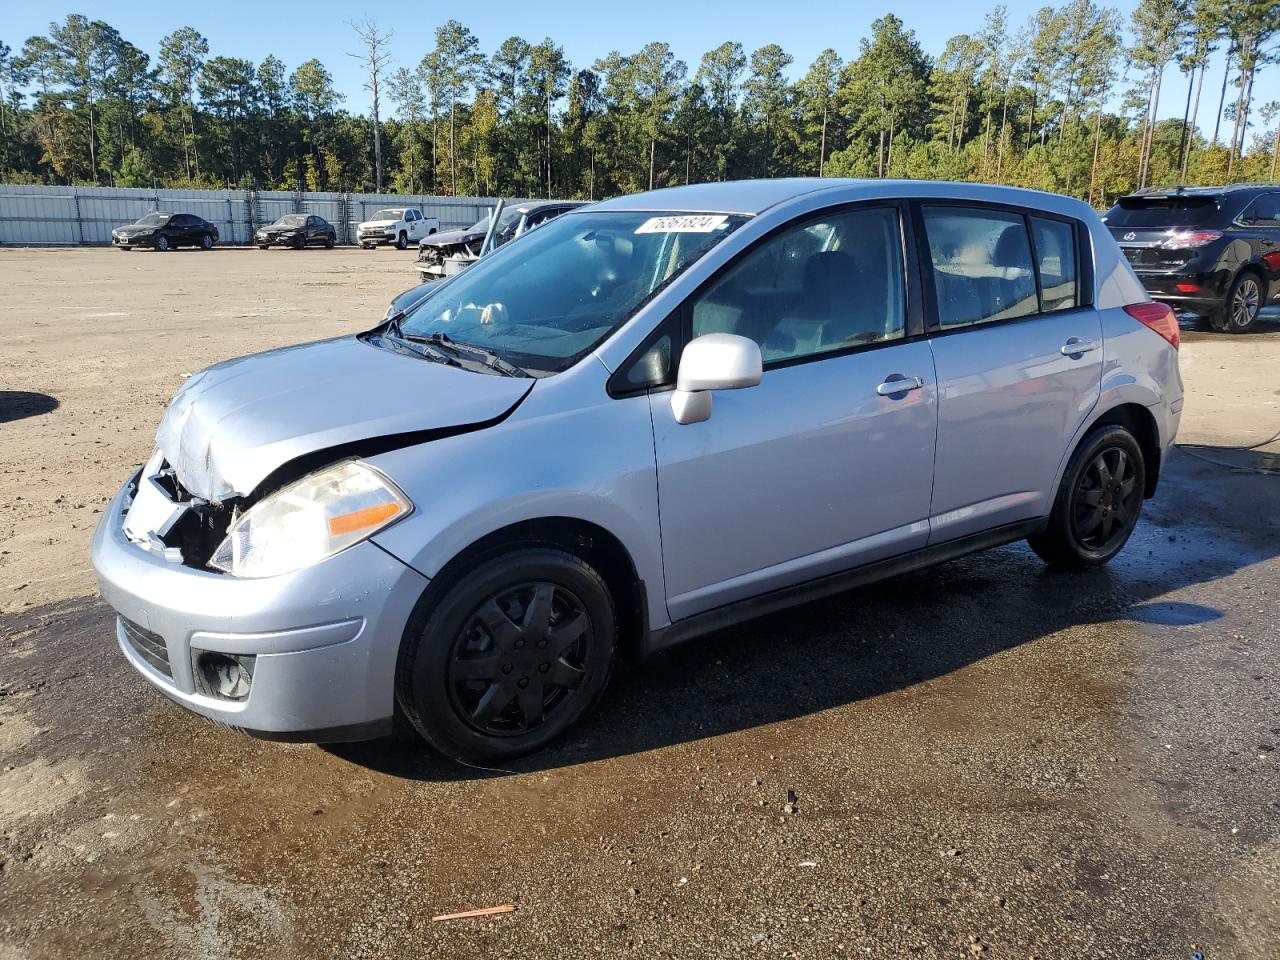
(374, 58)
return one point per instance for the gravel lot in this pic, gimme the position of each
(985, 758)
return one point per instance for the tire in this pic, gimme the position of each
(367, 246)
(162, 244)
(402, 241)
(124, 249)
(330, 241)
(206, 242)
(298, 243)
(535, 619)
(1244, 302)
(1096, 509)
(263, 246)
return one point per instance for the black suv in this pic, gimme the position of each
(1214, 251)
(164, 231)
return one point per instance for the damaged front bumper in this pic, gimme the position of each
(319, 645)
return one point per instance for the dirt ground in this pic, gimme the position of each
(986, 758)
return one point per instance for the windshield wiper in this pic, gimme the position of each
(487, 357)
(419, 345)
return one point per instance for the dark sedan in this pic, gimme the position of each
(296, 230)
(166, 231)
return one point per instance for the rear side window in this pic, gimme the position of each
(1138, 212)
(1056, 256)
(828, 284)
(982, 267)
(1263, 212)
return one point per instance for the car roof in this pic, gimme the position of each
(753, 197)
(1203, 191)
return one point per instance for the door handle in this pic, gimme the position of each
(899, 384)
(1075, 346)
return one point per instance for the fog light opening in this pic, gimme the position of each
(225, 676)
(1188, 287)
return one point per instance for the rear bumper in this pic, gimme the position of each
(324, 640)
(1211, 288)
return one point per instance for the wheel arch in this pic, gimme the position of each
(1139, 421)
(584, 539)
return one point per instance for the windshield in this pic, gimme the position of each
(387, 215)
(547, 301)
(509, 216)
(154, 220)
(1188, 211)
(292, 220)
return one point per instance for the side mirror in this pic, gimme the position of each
(715, 361)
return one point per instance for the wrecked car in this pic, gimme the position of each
(513, 221)
(651, 418)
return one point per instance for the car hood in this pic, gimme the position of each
(133, 228)
(379, 223)
(448, 237)
(232, 425)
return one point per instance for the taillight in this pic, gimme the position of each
(1186, 239)
(1158, 317)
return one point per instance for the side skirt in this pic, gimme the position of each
(743, 610)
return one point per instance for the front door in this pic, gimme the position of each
(1018, 354)
(821, 466)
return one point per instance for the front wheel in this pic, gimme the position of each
(1098, 503)
(510, 657)
(402, 241)
(162, 244)
(1244, 303)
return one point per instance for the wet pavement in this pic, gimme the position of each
(982, 759)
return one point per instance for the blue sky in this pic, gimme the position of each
(296, 31)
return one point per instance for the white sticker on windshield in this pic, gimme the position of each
(685, 223)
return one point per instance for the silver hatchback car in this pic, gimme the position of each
(656, 416)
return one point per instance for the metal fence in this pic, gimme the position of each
(84, 216)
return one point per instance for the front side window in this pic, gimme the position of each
(547, 301)
(1056, 256)
(982, 267)
(825, 285)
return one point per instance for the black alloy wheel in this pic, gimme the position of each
(299, 242)
(1098, 501)
(508, 654)
(330, 241)
(519, 658)
(1106, 499)
(1244, 302)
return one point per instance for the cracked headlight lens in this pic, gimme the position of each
(309, 520)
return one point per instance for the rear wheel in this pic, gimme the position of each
(1098, 503)
(206, 241)
(510, 657)
(330, 241)
(1244, 302)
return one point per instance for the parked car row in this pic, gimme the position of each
(1212, 251)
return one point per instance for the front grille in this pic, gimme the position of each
(149, 646)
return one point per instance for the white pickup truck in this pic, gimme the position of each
(398, 225)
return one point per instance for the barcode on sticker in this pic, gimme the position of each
(696, 223)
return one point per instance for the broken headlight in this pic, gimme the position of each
(311, 519)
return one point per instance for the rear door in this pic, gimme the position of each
(1018, 351)
(823, 466)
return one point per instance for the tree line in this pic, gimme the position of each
(1066, 102)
